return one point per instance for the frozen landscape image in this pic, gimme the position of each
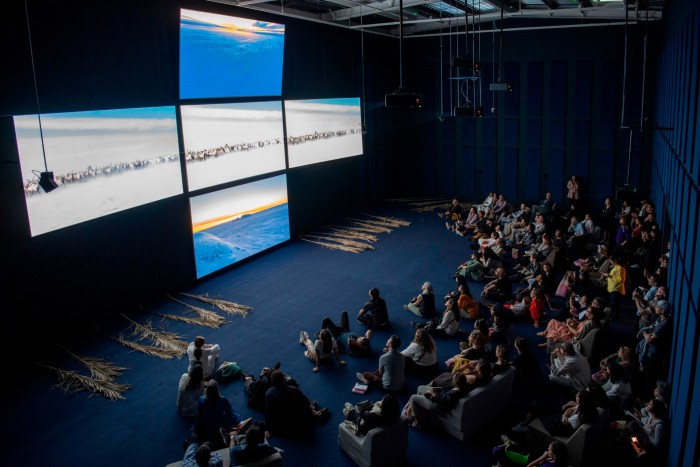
(322, 130)
(226, 56)
(103, 161)
(232, 224)
(227, 142)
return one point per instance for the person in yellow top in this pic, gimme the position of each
(616, 285)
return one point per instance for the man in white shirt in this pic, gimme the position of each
(569, 368)
(206, 354)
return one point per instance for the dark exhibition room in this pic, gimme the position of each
(351, 232)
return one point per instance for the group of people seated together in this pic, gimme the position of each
(560, 272)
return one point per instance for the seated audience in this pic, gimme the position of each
(322, 350)
(429, 398)
(385, 412)
(189, 390)
(528, 373)
(287, 409)
(214, 413)
(251, 447)
(353, 344)
(421, 354)
(391, 368)
(569, 368)
(423, 305)
(256, 388)
(200, 455)
(499, 289)
(374, 313)
(208, 356)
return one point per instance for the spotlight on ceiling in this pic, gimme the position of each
(46, 182)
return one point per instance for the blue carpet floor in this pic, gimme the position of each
(291, 289)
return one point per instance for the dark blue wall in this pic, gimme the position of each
(675, 176)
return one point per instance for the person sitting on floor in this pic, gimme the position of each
(499, 289)
(256, 388)
(391, 367)
(287, 409)
(423, 305)
(322, 350)
(366, 417)
(353, 344)
(421, 354)
(374, 313)
(214, 413)
(209, 355)
(189, 390)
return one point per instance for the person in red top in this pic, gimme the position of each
(536, 306)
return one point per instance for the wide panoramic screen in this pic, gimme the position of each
(233, 224)
(225, 56)
(323, 130)
(103, 162)
(225, 142)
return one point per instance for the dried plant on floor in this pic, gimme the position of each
(389, 221)
(334, 246)
(206, 318)
(99, 368)
(367, 227)
(232, 308)
(353, 235)
(162, 339)
(149, 350)
(343, 241)
(71, 381)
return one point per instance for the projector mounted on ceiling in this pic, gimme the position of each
(403, 98)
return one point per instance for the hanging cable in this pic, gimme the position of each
(500, 53)
(442, 65)
(362, 51)
(36, 87)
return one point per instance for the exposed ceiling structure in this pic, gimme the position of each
(440, 17)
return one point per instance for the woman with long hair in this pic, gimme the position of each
(322, 350)
(189, 390)
(214, 416)
(421, 354)
(467, 304)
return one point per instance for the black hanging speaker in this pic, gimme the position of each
(46, 182)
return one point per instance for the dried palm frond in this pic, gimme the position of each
(215, 320)
(232, 308)
(192, 320)
(149, 350)
(342, 241)
(72, 381)
(390, 221)
(353, 235)
(99, 368)
(163, 339)
(334, 246)
(370, 227)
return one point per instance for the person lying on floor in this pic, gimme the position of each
(322, 350)
(353, 344)
(288, 410)
(256, 388)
